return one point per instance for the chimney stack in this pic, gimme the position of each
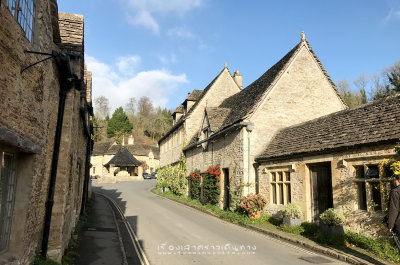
(131, 140)
(238, 78)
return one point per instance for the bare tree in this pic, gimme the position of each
(102, 107)
(130, 108)
(145, 107)
(351, 99)
(361, 84)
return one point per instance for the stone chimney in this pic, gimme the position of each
(238, 79)
(131, 140)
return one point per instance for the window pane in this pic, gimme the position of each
(373, 171)
(362, 196)
(359, 172)
(273, 176)
(280, 187)
(11, 6)
(280, 176)
(376, 196)
(288, 193)
(287, 176)
(273, 188)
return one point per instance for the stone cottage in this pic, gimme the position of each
(45, 129)
(296, 89)
(104, 152)
(187, 117)
(333, 162)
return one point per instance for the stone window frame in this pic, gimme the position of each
(23, 12)
(282, 196)
(368, 188)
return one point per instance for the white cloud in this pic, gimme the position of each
(128, 65)
(180, 32)
(143, 12)
(392, 15)
(118, 87)
(168, 59)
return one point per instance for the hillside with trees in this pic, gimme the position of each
(370, 88)
(138, 117)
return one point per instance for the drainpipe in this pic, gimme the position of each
(249, 129)
(65, 70)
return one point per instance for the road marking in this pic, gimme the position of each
(139, 251)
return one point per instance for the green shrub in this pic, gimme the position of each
(253, 203)
(382, 248)
(195, 184)
(332, 217)
(211, 185)
(173, 177)
(295, 229)
(41, 261)
(292, 210)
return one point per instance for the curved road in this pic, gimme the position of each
(167, 229)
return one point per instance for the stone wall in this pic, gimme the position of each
(28, 107)
(344, 187)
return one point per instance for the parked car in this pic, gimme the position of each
(146, 176)
(154, 175)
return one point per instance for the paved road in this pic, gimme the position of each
(165, 228)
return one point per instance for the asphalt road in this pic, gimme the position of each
(167, 229)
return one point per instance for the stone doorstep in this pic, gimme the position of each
(283, 236)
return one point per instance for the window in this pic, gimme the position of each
(23, 11)
(94, 170)
(280, 187)
(372, 187)
(7, 194)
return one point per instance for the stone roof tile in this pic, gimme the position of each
(367, 124)
(124, 158)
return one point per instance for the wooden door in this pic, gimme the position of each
(321, 183)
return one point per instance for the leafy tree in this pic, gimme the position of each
(394, 77)
(118, 125)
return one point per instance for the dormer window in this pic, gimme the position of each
(23, 12)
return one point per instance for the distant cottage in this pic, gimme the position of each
(112, 162)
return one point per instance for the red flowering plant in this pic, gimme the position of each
(253, 204)
(195, 184)
(211, 185)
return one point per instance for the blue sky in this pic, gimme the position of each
(164, 49)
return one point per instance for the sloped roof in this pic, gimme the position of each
(245, 102)
(124, 158)
(71, 33)
(195, 95)
(108, 148)
(101, 148)
(178, 109)
(199, 97)
(370, 123)
(216, 116)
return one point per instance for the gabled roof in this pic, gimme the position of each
(178, 109)
(216, 116)
(124, 158)
(370, 123)
(199, 97)
(246, 101)
(195, 95)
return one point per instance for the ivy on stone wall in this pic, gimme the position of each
(173, 177)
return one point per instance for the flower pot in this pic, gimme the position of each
(291, 221)
(332, 231)
(254, 216)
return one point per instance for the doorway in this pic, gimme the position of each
(321, 188)
(227, 202)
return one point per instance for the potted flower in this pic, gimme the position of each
(332, 222)
(253, 204)
(292, 214)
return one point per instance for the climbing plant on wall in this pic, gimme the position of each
(174, 177)
(195, 184)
